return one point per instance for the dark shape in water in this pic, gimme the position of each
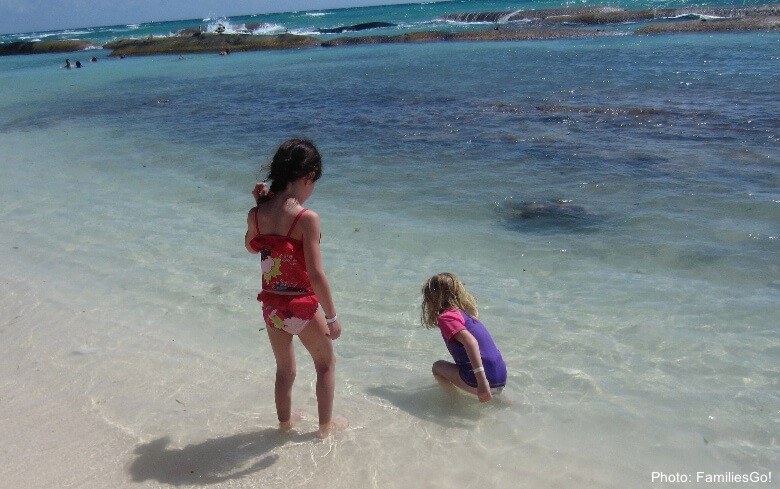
(547, 214)
(356, 27)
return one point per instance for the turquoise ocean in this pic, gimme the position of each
(613, 204)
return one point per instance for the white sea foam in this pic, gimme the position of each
(317, 14)
(695, 16)
(304, 32)
(230, 28)
(268, 28)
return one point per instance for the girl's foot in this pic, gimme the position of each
(295, 417)
(337, 423)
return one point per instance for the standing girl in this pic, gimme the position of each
(287, 237)
(479, 367)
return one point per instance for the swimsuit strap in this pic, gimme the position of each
(295, 221)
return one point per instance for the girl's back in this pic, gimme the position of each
(275, 217)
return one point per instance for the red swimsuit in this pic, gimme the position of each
(284, 270)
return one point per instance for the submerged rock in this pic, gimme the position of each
(550, 214)
(39, 47)
(540, 210)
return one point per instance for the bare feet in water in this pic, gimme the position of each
(295, 418)
(337, 423)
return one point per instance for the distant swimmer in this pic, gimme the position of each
(67, 64)
(78, 64)
(93, 60)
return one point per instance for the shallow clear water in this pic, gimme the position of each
(612, 203)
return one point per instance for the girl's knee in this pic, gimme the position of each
(438, 367)
(325, 365)
(285, 375)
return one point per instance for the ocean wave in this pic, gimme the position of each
(303, 32)
(133, 26)
(317, 14)
(224, 26)
(265, 28)
(695, 16)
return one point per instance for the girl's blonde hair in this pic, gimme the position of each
(441, 293)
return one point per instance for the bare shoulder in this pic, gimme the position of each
(310, 216)
(309, 224)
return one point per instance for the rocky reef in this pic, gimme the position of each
(716, 25)
(475, 35)
(39, 47)
(519, 25)
(209, 43)
(609, 15)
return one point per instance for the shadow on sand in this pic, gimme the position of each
(445, 407)
(215, 460)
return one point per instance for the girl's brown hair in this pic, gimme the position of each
(294, 159)
(442, 292)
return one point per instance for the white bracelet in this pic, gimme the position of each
(478, 369)
(331, 320)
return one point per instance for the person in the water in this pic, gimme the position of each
(479, 367)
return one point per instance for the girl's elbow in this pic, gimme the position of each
(317, 278)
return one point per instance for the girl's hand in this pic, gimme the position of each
(261, 190)
(334, 330)
(483, 392)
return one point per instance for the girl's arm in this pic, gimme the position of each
(472, 350)
(261, 190)
(251, 232)
(310, 224)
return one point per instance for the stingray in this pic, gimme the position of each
(549, 214)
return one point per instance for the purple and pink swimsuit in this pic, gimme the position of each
(450, 323)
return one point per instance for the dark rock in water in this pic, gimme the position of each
(551, 208)
(547, 214)
(191, 31)
(356, 27)
(38, 47)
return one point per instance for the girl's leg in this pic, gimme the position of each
(449, 372)
(282, 346)
(320, 348)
